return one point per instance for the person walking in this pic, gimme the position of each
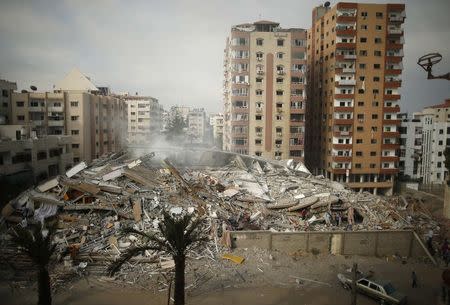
(414, 279)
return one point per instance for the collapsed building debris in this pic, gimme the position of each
(92, 203)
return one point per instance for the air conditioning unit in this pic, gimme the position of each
(259, 58)
(279, 134)
(277, 145)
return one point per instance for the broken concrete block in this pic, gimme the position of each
(112, 175)
(48, 185)
(76, 169)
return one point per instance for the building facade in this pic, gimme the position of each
(97, 123)
(196, 125)
(6, 90)
(355, 53)
(264, 91)
(21, 152)
(216, 122)
(430, 136)
(144, 118)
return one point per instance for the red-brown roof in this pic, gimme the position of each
(445, 105)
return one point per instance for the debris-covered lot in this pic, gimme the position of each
(92, 203)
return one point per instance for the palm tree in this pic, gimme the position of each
(37, 244)
(177, 236)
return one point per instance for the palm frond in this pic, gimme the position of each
(126, 256)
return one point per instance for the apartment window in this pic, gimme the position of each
(279, 92)
(299, 42)
(258, 153)
(439, 153)
(360, 116)
(376, 79)
(375, 104)
(259, 92)
(362, 66)
(280, 42)
(373, 165)
(363, 26)
(362, 78)
(360, 104)
(279, 80)
(5, 93)
(374, 116)
(279, 129)
(258, 129)
(20, 104)
(440, 142)
(21, 118)
(373, 153)
(376, 66)
(74, 117)
(378, 27)
(441, 131)
(361, 91)
(258, 117)
(259, 41)
(279, 117)
(259, 80)
(75, 145)
(278, 142)
(359, 128)
(377, 40)
(375, 91)
(373, 141)
(439, 164)
(258, 141)
(75, 132)
(377, 53)
(364, 14)
(359, 141)
(379, 15)
(359, 153)
(358, 165)
(363, 39)
(280, 55)
(362, 52)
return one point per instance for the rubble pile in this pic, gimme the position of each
(93, 202)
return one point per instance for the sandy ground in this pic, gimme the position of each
(263, 278)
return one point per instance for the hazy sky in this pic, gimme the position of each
(173, 50)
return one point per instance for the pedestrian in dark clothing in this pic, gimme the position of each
(414, 279)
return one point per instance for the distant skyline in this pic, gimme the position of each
(173, 50)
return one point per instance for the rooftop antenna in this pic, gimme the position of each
(34, 88)
(427, 61)
(327, 4)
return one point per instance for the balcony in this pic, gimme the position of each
(391, 109)
(395, 31)
(346, 6)
(389, 159)
(358, 185)
(342, 146)
(239, 110)
(392, 122)
(391, 134)
(36, 108)
(296, 146)
(391, 97)
(342, 134)
(57, 123)
(343, 96)
(344, 70)
(345, 82)
(343, 121)
(394, 59)
(37, 123)
(297, 110)
(394, 46)
(55, 109)
(346, 46)
(339, 170)
(389, 170)
(346, 19)
(346, 32)
(342, 158)
(397, 19)
(390, 146)
(393, 71)
(343, 109)
(297, 135)
(393, 84)
(259, 109)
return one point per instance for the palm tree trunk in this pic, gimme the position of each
(179, 279)
(44, 290)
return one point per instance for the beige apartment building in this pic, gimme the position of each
(355, 53)
(144, 118)
(96, 122)
(264, 91)
(6, 90)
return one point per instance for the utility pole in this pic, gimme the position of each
(353, 300)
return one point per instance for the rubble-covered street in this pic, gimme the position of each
(92, 203)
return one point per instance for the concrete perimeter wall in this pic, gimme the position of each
(368, 243)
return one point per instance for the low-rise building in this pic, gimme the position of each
(96, 122)
(21, 151)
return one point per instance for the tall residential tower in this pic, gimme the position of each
(355, 53)
(264, 91)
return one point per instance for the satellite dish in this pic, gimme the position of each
(327, 4)
(24, 91)
(34, 88)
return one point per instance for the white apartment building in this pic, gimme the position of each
(6, 90)
(144, 118)
(216, 122)
(196, 121)
(426, 140)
